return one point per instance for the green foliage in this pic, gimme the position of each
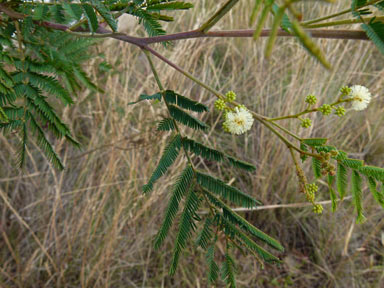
(166, 124)
(227, 192)
(213, 269)
(205, 236)
(40, 73)
(314, 142)
(316, 167)
(374, 29)
(235, 218)
(168, 157)
(375, 32)
(239, 236)
(180, 188)
(186, 227)
(184, 102)
(325, 148)
(285, 22)
(353, 163)
(74, 11)
(90, 14)
(241, 164)
(380, 5)
(332, 193)
(357, 195)
(186, 119)
(202, 150)
(105, 14)
(212, 154)
(149, 21)
(377, 195)
(3, 116)
(372, 171)
(142, 97)
(228, 271)
(44, 143)
(304, 148)
(341, 180)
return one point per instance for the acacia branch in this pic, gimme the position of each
(143, 41)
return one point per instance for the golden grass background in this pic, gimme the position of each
(90, 226)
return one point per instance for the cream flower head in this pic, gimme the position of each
(361, 97)
(238, 121)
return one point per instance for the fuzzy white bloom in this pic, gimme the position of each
(239, 121)
(361, 96)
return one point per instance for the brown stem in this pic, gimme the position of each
(248, 33)
(245, 33)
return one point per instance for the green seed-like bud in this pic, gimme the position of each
(220, 104)
(325, 109)
(312, 188)
(306, 123)
(311, 99)
(340, 111)
(318, 208)
(345, 90)
(230, 96)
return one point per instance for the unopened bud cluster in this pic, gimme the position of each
(230, 96)
(345, 91)
(326, 109)
(306, 122)
(317, 208)
(311, 190)
(221, 104)
(340, 111)
(311, 99)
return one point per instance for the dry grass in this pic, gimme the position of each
(90, 226)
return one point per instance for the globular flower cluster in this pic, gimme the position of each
(306, 122)
(311, 99)
(230, 96)
(340, 111)
(326, 109)
(220, 104)
(345, 91)
(238, 121)
(311, 191)
(361, 97)
(318, 208)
